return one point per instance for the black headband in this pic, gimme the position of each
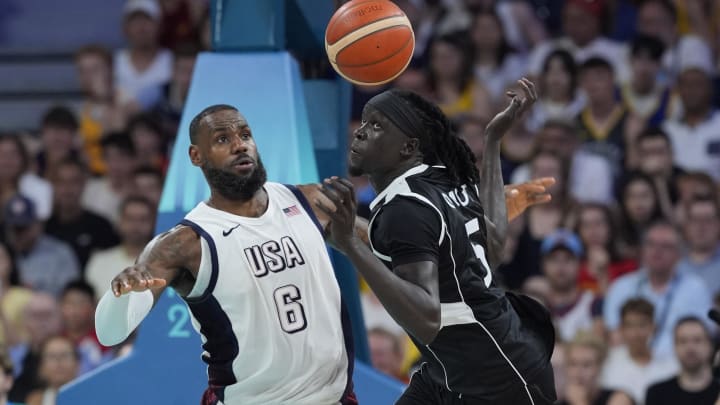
(399, 112)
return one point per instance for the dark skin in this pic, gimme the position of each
(381, 151)
(225, 140)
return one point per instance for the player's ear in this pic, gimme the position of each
(195, 156)
(410, 147)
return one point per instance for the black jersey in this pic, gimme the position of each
(483, 347)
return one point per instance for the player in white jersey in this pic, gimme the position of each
(252, 266)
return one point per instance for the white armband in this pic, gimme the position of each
(117, 317)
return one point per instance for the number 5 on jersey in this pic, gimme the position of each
(290, 311)
(471, 227)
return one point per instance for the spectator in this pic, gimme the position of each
(59, 139)
(13, 300)
(386, 353)
(590, 175)
(170, 107)
(696, 134)
(654, 148)
(45, 263)
(6, 377)
(584, 356)
(690, 186)
(631, 367)
(539, 221)
(695, 383)
(582, 27)
(104, 108)
(496, 66)
(450, 77)
(42, 320)
(649, 101)
(103, 196)
(77, 305)
(702, 232)
(572, 309)
(639, 206)
(674, 295)
(602, 122)
(149, 184)
(59, 364)
(71, 223)
(602, 263)
(136, 226)
(559, 98)
(179, 22)
(16, 177)
(657, 18)
(143, 67)
(149, 141)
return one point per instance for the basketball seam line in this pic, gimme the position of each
(402, 48)
(333, 22)
(344, 42)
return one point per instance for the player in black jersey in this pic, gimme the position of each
(439, 225)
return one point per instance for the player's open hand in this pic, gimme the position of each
(135, 278)
(518, 197)
(341, 231)
(504, 120)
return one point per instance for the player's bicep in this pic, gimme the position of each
(424, 274)
(174, 257)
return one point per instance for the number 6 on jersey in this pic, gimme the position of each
(290, 311)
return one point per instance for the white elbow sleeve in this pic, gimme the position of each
(117, 317)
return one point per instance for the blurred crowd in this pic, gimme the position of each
(79, 196)
(626, 256)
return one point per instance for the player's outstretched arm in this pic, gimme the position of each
(410, 292)
(134, 291)
(313, 192)
(492, 193)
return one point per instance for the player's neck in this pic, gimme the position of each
(380, 181)
(252, 208)
(695, 381)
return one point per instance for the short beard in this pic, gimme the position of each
(233, 186)
(355, 171)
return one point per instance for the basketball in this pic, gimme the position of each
(369, 42)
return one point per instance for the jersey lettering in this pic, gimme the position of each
(273, 256)
(457, 197)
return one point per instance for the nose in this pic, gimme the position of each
(359, 133)
(239, 145)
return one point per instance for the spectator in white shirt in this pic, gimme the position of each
(631, 367)
(143, 68)
(702, 232)
(696, 135)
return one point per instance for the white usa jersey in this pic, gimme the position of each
(267, 306)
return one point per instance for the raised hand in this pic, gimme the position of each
(518, 197)
(341, 230)
(504, 120)
(135, 278)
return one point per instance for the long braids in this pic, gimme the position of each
(439, 144)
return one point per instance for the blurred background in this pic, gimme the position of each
(626, 256)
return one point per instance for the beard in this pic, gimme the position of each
(233, 186)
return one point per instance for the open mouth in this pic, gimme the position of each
(244, 164)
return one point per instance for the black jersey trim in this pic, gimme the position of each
(306, 205)
(213, 260)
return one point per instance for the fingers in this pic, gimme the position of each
(544, 181)
(346, 190)
(136, 278)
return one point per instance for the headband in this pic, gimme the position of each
(399, 112)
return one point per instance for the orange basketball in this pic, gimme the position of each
(369, 42)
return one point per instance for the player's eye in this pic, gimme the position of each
(376, 125)
(245, 136)
(222, 139)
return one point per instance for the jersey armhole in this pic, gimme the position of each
(213, 262)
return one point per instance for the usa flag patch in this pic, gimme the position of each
(291, 211)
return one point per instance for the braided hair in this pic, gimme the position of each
(438, 142)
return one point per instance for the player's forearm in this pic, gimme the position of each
(411, 306)
(492, 195)
(117, 317)
(361, 229)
